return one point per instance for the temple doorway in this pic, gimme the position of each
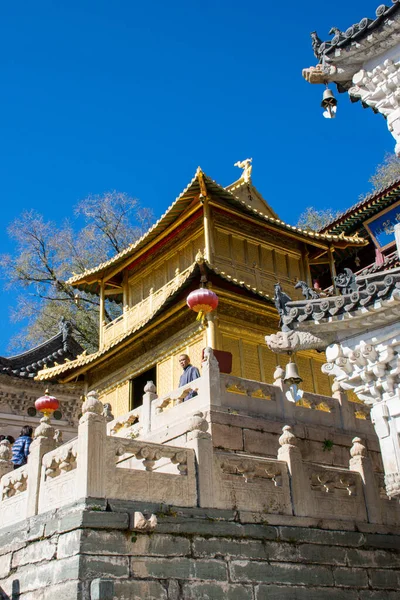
(137, 385)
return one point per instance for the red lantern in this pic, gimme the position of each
(202, 301)
(47, 404)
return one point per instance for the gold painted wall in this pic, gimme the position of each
(118, 397)
(163, 270)
(253, 360)
(259, 263)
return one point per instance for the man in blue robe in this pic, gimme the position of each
(189, 374)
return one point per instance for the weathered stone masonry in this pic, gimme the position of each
(90, 552)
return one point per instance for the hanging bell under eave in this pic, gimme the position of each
(292, 375)
(329, 103)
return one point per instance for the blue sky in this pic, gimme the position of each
(126, 95)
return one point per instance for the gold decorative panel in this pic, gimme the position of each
(135, 293)
(148, 283)
(304, 366)
(238, 250)
(250, 361)
(252, 255)
(267, 262)
(222, 244)
(164, 376)
(269, 363)
(230, 344)
(280, 262)
(294, 268)
(173, 265)
(118, 397)
(186, 257)
(159, 277)
(322, 381)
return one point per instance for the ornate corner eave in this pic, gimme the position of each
(376, 301)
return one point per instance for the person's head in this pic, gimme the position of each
(184, 360)
(27, 430)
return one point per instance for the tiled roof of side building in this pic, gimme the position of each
(359, 31)
(57, 350)
(352, 218)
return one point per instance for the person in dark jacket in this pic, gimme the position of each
(189, 374)
(20, 449)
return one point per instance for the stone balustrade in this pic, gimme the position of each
(238, 396)
(192, 473)
(211, 451)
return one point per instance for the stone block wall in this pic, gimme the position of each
(91, 551)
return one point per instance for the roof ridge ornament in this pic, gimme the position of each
(247, 168)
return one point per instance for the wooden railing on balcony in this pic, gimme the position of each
(133, 317)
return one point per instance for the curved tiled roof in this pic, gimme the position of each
(371, 288)
(354, 216)
(390, 261)
(358, 31)
(179, 205)
(58, 349)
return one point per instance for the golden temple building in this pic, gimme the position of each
(229, 238)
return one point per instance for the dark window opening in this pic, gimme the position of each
(137, 386)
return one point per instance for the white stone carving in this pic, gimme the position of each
(371, 368)
(61, 460)
(142, 524)
(380, 89)
(247, 168)
(15, 483)
(293, 341)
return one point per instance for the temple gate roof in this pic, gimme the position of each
(56, 350)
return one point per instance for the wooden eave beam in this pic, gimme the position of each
(319, 261)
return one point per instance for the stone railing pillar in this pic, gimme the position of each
(150, 394)
(200, 440)
(5, 458)
(210, 378)
(92, 439)
(347, 416)
(361, 462)
(302, 501)
(285, 408)
(43, 442)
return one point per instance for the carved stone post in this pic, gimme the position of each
(210, 377)
(43, 442)
(92, 439)
(302, 500)
(200, 440)
(347, 416)
(5, 458)
(284, 408)
(361, 462)
(150, 394)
